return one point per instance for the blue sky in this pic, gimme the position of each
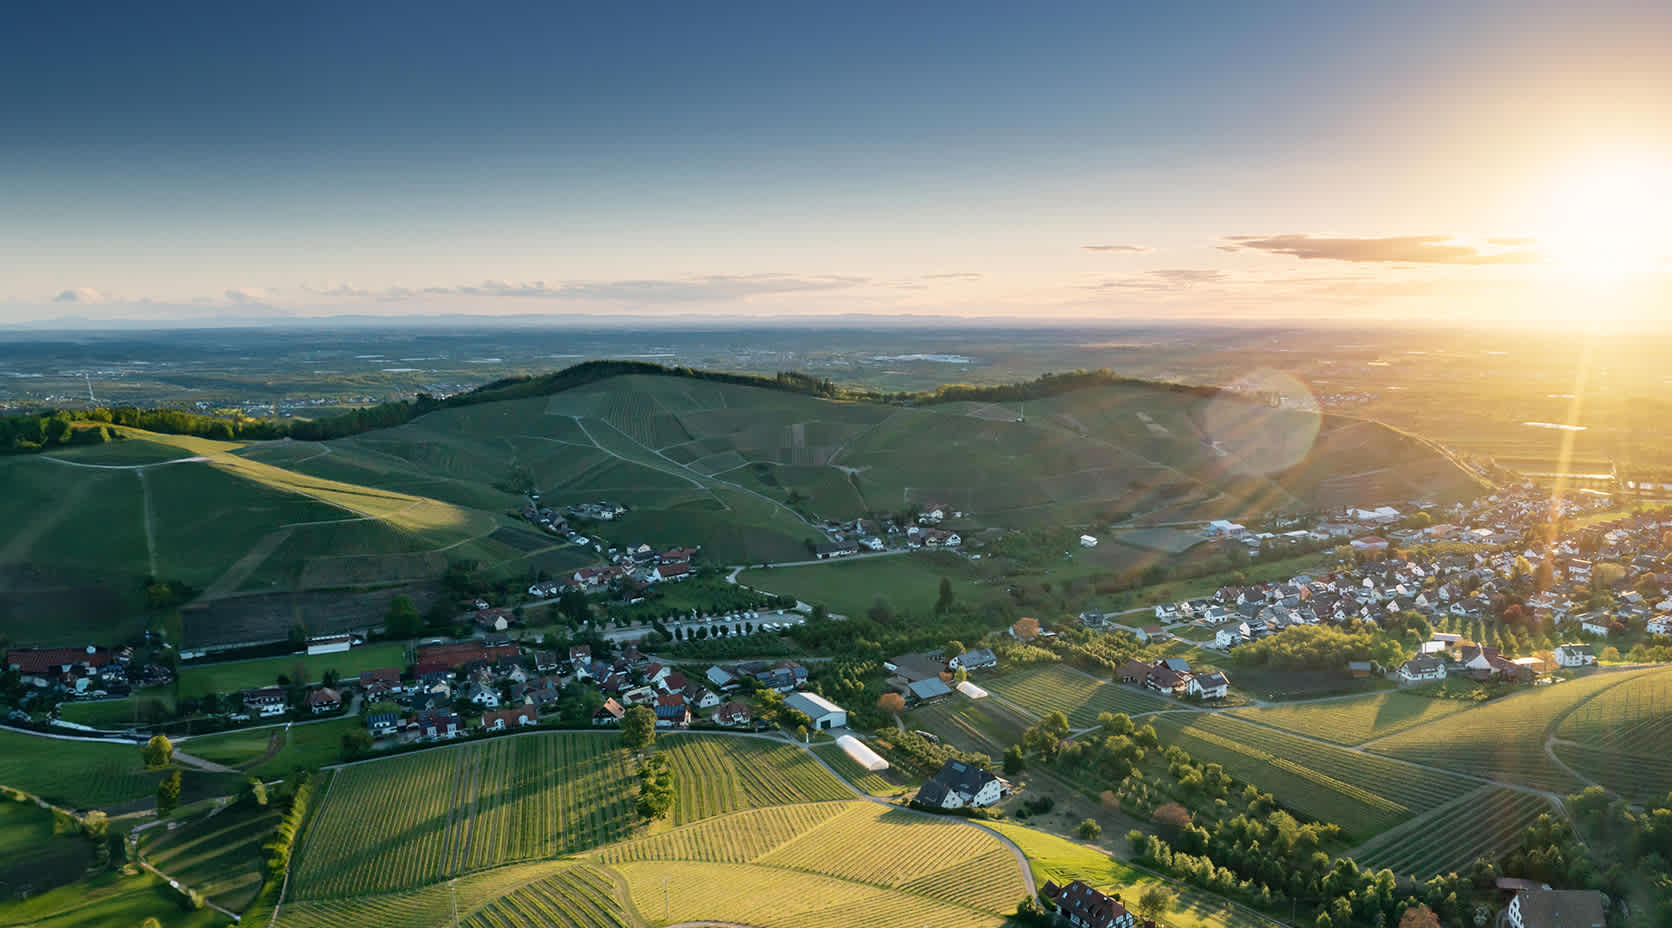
(795, 159)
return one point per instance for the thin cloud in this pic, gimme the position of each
(957, 275)
(1398, 249)
(250, 294)
(81, 295)
(710, 287)
(1164, 279)
(1119, 249)
(337, 289)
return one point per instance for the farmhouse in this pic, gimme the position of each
(335, 644)
(959, 785)
(835, 549)
(824, 713)
(1575, 655)
(41, 667)
(483, 695)
(383, 723)
(324, 699)
(1083, 907)
(493, 620)
(1208, 686)
(734, 714)
(436, 724)
(927, 689)
(384, 681)
(974, 660)
(610, 713)
(672, 711)
(1421, 669)
(1088, 541)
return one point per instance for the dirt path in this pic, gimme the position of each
(192, 760)
(150, 522)
(138, 467)
(23, 538)
(228, 583)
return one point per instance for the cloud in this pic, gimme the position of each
(1513, 241)
(1405, 249)
(81, 295)
(250, 294)
(1164, 279)
(957, 275)
(1119, 249)
(710, 287)
(337, 289)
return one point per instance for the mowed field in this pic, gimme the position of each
(219, 855)
(90, 775)
(985, 726)
(1356, 720)
(1505, 739)
(909, 582)
(410, 820)
(231, 676)
(1362, 793)
(1055, 688)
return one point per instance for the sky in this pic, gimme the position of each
(1481, 163)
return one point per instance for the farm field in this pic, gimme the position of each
(1055, 688)
(1054, 858)
(573, 897)
(716, 774)
(984, 726)
(147, 704)
(1356, 720)
(232, 676)
(414, 819)
(1638, 775)
(424, 907)
(1362, 793)
(89, 775)
(418, 818)
(1635, 716)
(218, 855)
(35, 852)
(1431, 844)
(910, 583)
(1504, 739)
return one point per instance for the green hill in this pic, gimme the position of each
(743, 467)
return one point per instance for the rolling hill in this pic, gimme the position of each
(272, 532)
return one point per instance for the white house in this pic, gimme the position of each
(1087, 541)
(483, 695)
(1575, 655)
(1422, 669)
(1208, 686)
(1225, 527)
(1596, 626)
(1230, 634)
(824, 713)
(974, 660)
(1659, 625)
(1544, 907)
(959, 785)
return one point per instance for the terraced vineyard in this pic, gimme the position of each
(1633, 717)
(574, 897)
(738, 838)
(425, 907)
(219, 856)
(1357, 720)
(718, 774)
(1634, 774)
(985, 726)
(1054, 688)
(1361, 793)
(423, 817)
(1504, 739)
(1434, 844)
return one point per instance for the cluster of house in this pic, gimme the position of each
(1173, 677)
(925, 676)
(1450, 656)
(858, 535)
(90, 672)
(1080, 905)
(635, 565)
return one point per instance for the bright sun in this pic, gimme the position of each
(1611, 218)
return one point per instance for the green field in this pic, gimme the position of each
(232, 676)
(218, 854)
(1058, 859)
(1055, 688)
(1433, 844)
(302, 746)
(111, 900)
(1358, 719)
(717, 774)
(910, 583)
(432, 906)
(87, 775)
(37, 853)
(1362, 793)
(1504, 739)
(150, 704)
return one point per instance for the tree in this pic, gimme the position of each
(1089, 830)
(1419, 916)
(1610, 654)
(1014, 762)
(356, 741)
(96, 826)
(821, 612)
(1155, 900)
(952, 648)
(151, 923)
(168, 794)
(638, 728)
(892, 703)
(402, 620)
(255, 791)
(159, 752)
(1025, 629)
(944, 601)
(573, 606)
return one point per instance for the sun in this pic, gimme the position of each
(1609, 218)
